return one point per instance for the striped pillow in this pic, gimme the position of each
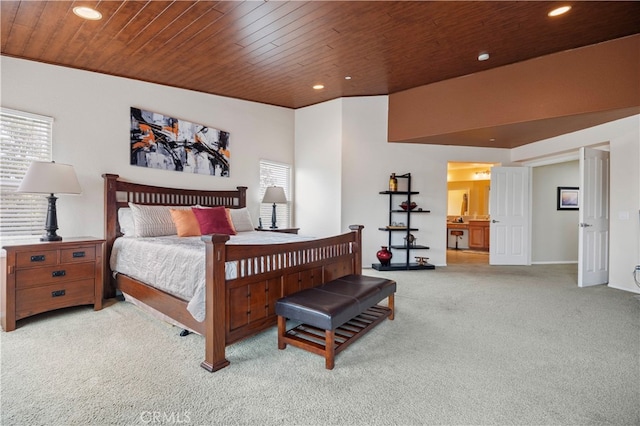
(154, 221)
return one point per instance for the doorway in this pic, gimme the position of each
(560, 233)
(468, 192)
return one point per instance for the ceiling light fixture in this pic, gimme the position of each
(87, 13)
(483, 56)
(348, 77)
(484, 174)
(559, 11)
(318, 86)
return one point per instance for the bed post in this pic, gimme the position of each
(242, 196)
(110, 231)
(215, 299)
(357, 255)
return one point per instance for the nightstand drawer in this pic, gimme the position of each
(81, 254)
(31, 301)
(36, 258)
(59, 273)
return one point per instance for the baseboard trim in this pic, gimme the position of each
(632, 290)
(556, 262)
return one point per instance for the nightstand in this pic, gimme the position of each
(39, 276)
(283, 230)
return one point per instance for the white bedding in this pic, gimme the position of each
(176, 265)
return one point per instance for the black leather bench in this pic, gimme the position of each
(333, 315)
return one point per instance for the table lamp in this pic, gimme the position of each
(274, 194)
(50, 178)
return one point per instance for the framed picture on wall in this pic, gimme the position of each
(568, 198)
(162, 142)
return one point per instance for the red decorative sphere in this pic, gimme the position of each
(384, 256)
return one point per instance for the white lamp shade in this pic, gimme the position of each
(50, 178)
(274, 194)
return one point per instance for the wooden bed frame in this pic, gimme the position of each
(239, 307)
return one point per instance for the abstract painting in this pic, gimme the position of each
(168, 143)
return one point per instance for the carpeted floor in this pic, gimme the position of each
(470, 345)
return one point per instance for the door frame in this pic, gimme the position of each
(574, 155)
(476, 165)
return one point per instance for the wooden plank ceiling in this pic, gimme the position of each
(274, 52)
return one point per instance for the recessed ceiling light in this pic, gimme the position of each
(559, 11)
(348, 77)
(318, 86)
(483, 56)
(87, 13)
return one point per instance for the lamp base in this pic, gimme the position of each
(51, 225)
(273, 218)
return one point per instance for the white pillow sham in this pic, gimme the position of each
(125, 219)
(241, 219)
(153, 221)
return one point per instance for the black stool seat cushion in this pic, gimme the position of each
(330, 305)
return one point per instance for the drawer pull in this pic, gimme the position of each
(61, 273)
(78, 254)
(57, 293)
(37, 258)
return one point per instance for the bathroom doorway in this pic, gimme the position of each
(468, 192)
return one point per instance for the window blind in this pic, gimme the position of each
(275, 174)
(24, 137)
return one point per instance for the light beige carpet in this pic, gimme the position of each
(470, 345)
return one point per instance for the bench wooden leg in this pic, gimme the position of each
(391, 305)
(282, 329)
(330, 352)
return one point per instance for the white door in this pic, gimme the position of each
(509, 211)
(593, 250)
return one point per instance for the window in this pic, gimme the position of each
(24, 138)
(275, 174)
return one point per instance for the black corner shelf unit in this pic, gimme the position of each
(407, 265)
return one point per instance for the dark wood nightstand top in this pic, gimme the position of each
(283, 230)
(35, 241)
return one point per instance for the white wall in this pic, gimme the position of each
(625, 206)
(368, 160)
(554, 232)
(623, 137)
(318, 171)
(91, 131)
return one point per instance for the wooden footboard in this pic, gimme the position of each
(245, 305)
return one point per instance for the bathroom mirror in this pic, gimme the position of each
(468, 188)
(477, 198)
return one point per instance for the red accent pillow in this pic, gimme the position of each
(213, 221)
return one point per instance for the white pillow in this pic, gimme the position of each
(154, 221)
(241, 219)
(125, 219)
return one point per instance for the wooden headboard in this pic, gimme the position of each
(118, 193)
